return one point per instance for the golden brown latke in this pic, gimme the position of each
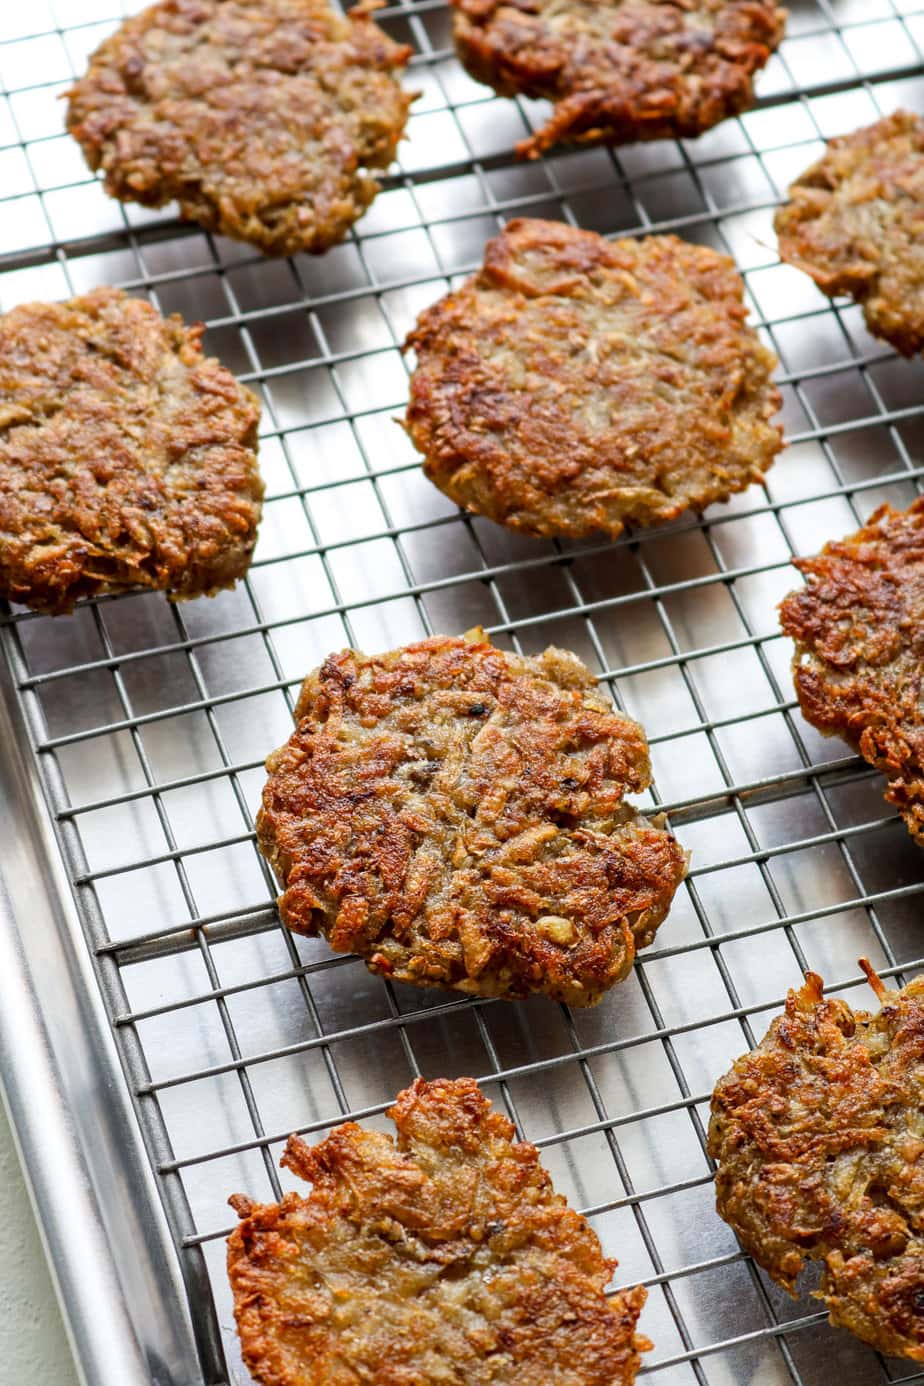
(620, 70)
(820, 1149)
(858, 625)
(127, 458)
(854, 223)
(454, 814)
(575, 384)
(261, 118)
(445, 1256)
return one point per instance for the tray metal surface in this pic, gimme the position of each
(149, 723)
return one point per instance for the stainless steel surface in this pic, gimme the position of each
(149, 723)
(104, 1233)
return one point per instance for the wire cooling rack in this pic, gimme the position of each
(151, 721)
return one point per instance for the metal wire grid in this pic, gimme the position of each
(151, 722)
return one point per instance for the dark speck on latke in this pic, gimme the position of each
(455, 815)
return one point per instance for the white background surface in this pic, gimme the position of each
(33, 1346)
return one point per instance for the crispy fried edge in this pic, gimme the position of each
(586, 250)
(787, 1270)
(588, 116)
(824, 709)
(53, 586)
(315, 1164)
(859, 279)
(208, 212)
(637, 932)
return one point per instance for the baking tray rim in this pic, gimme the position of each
(102, 1226)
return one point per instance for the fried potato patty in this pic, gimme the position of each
(261, 118)
(575, 383)
(127, 458)
(853, 222)
(859, 661)
(820, 1150)
(442, 1257)
(620, 70)
(454, 814)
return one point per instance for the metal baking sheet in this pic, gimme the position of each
(148, 723)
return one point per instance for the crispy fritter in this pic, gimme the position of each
(858, 625)
(575, 383)
(261, 118)
(820, 1150)
(853, 222)
(454, 814)
(620, 70)
(127, 458)
(445, 1256)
